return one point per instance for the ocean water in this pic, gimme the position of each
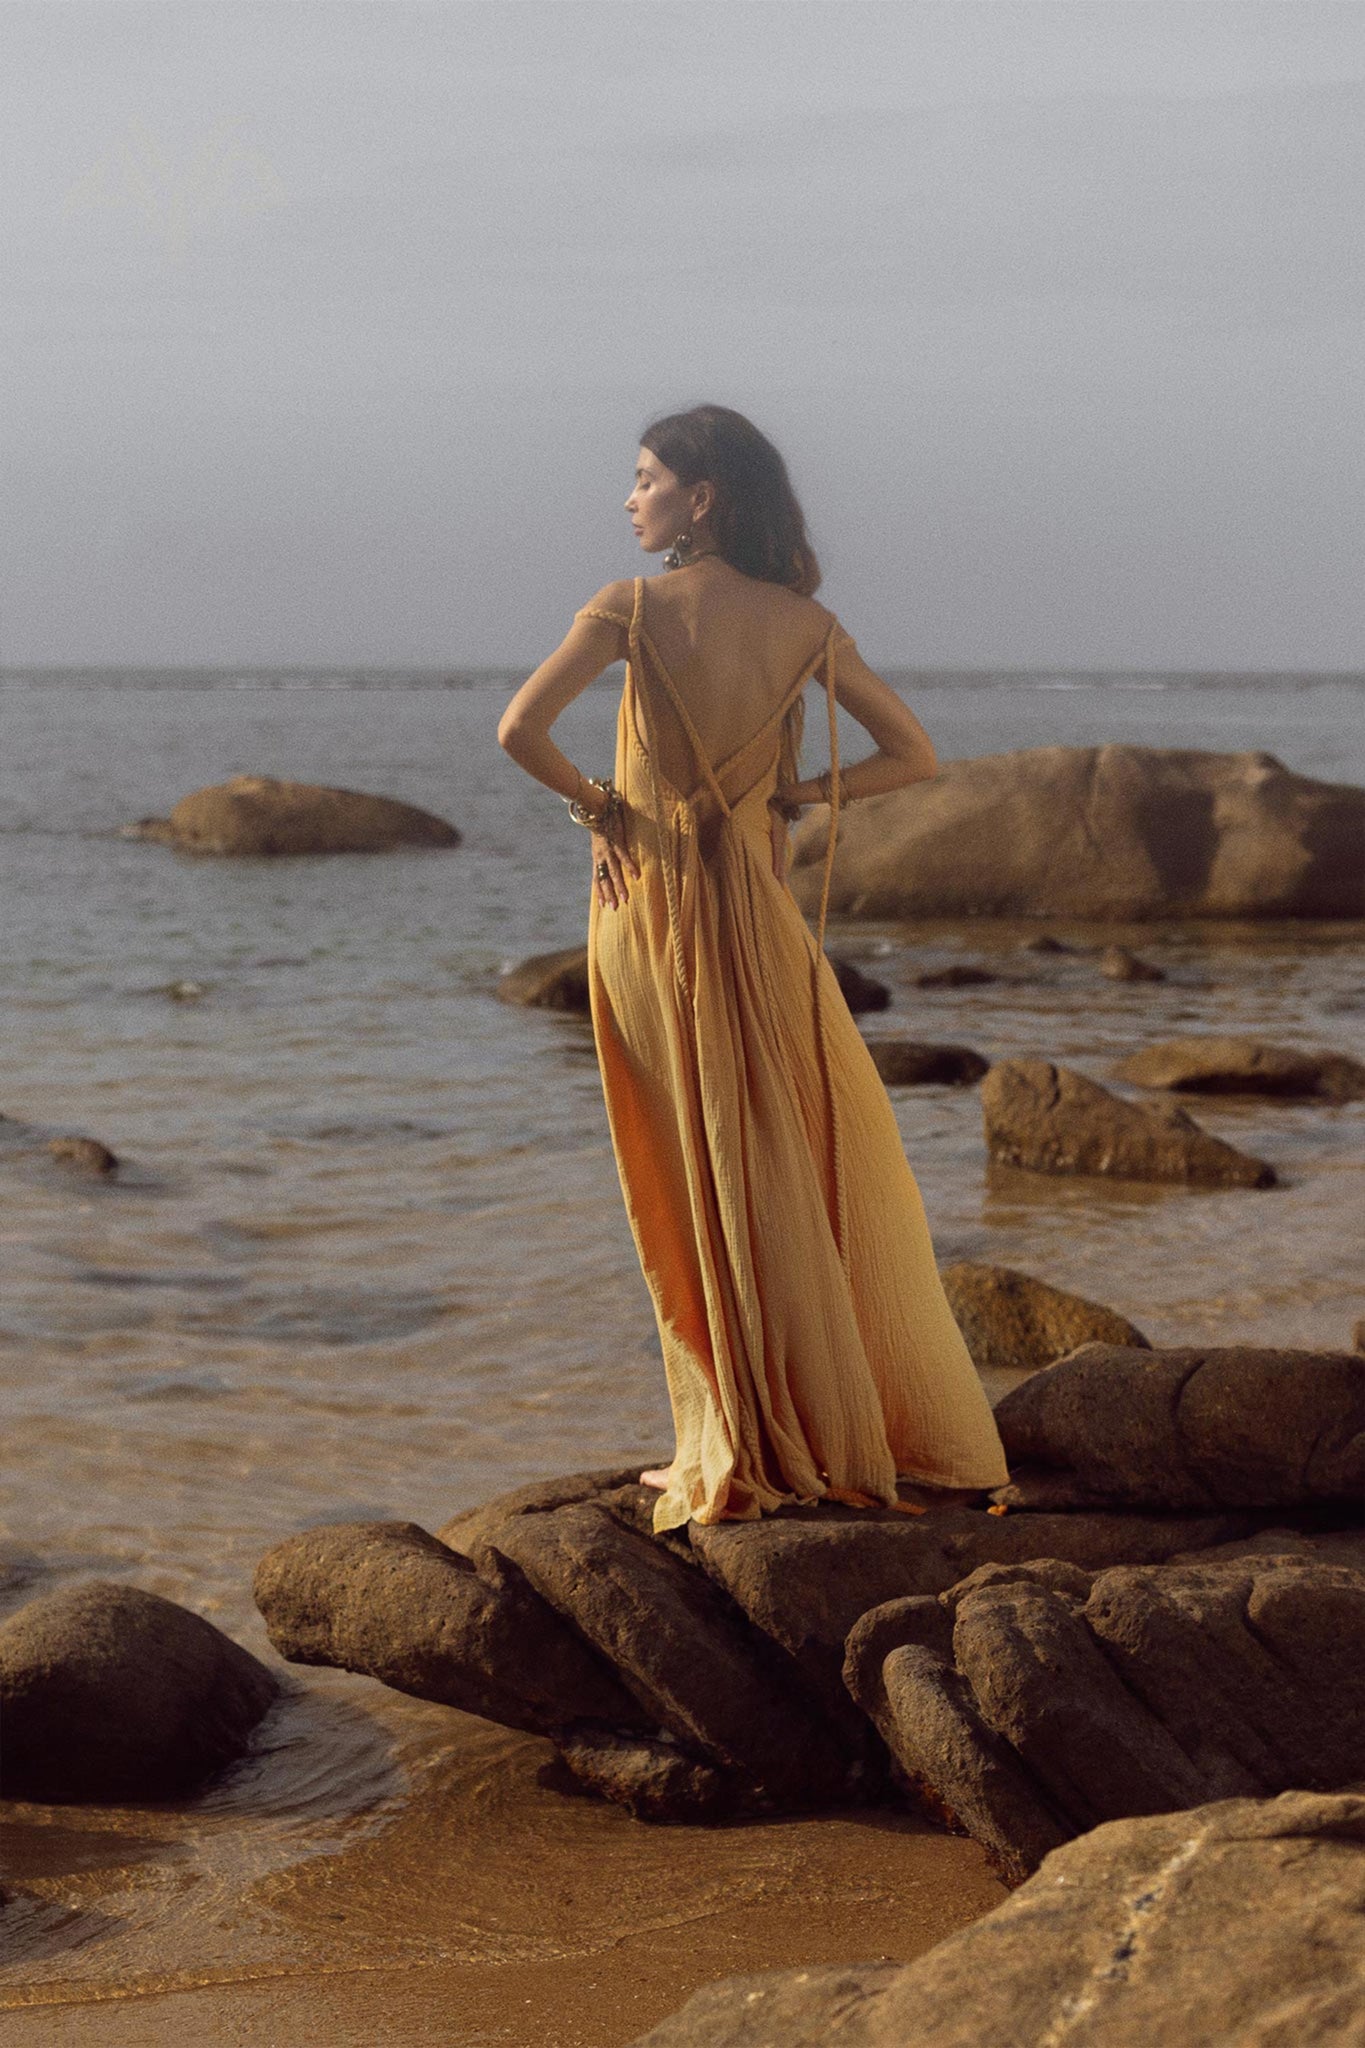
(367, 1256)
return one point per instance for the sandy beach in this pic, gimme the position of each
(481, 1906)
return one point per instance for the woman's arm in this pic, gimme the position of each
(905, 752)
(590, 645)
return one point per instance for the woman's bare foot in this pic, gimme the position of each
(660, 1479)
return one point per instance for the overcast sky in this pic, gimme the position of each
(329, 330)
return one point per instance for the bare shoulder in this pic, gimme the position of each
(615, 600)
(821, 619)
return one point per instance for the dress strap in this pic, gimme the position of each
(833, 781)
(667, 852)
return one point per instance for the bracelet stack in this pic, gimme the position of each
(608, 812)
(824, 781)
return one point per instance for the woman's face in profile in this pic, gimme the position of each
(660, 506)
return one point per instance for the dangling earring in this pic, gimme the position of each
(680, 550)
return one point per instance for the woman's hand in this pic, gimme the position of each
(611, 888)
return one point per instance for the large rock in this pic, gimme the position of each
(1033, 1701)
(109, 1693)
(721, 1689)
(1244, 1066)
(803, 1577)
(1240, 1923)
(1188, 1430)
(259, 814)
(1013, 1322)
(1052, 1120)
(1118, 833)
(387, 1599)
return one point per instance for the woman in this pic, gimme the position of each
(809, 1349)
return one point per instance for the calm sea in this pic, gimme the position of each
(367, 1256)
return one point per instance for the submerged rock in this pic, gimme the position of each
(1240, 1922)
(559, 981)
(860, 991)
(262, 815)
(1118, 833)
(109, 1693)
(1244, 1066)
(549, 981)
(1184, 1430)
(1032, 1702)
(959, 975)
(1051, 1120)
(1015, 1323)
(83, 1155)
(907, 1063)
(1118, 964)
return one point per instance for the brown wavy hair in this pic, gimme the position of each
(757, 521)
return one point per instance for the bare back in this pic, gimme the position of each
(735, 648)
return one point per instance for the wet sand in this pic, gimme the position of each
(489, 1909)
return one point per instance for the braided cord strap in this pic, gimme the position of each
(670, 829)
(818, 962)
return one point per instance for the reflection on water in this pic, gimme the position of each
(367, 1258)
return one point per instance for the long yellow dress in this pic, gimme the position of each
(808, 1346)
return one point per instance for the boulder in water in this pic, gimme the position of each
(1244, 1066)
(1113, 833)
(559, 981)
(1015, 1323)
(1052, 1120)
(109, 1693)
(83, 1155)
(549, 981)
(908, 1063)
(262, 815)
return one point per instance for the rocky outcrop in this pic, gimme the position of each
(1051, 1120)
(574, 1620)
(1015, 1323)
(387, 1599)
(1185, 1431)
(559, 981)
(259, 814)
(1118, 833)
(110, 1693)
(1240, 1922)
(1032, 1702)
(562, 1612)
(1245, 1066)
(907, 1063)
(805, 1576)
(702, 1672)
